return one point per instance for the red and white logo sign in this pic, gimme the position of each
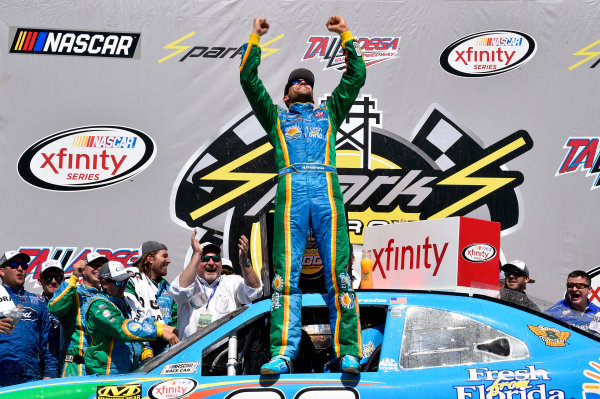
(479, 252)
(86, 158)
(487, 53)
(172, 389)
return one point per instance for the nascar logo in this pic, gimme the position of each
(71, 42)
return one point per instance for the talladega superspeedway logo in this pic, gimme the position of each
(227, 188)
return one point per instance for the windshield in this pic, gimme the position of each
(187, 342)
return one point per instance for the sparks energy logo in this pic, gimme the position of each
(582, 154)
(74, 42)
(86, 158)
(329, 49)
(487, 53)
(227, 188)
(203, 51)
(588, 54)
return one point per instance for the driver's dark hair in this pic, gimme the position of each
(582, 274)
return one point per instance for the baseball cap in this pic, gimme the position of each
(300, 73)
(114, 271)
(517, 264)
(150, 246)
(92, 256)
(226, 266)
(51, 264)
(10, 255)
(210, 247)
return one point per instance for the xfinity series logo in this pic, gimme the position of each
(487, 53)
(172, 389)
(228, 186)
(73, 42)
(581, 155)
(86, 158)
(329, 49)
(479, 252)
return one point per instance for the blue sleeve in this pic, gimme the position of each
(50, 361)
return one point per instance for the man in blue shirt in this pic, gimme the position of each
(22, 350)
(576, 309)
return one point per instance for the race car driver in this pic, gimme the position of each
(308, 195)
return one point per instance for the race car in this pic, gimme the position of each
(416, 344)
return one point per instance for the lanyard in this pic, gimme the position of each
(211, 295)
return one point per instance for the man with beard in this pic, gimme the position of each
(516, 277)
(69, 303)
(23, 346)
(203, 294)
(576, 309)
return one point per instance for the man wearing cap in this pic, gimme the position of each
(576, 309)
(69, 304)
(203, 294)
(51, 276)
(23, 346)
(226, 267)
(147, 293)
(516, 277)
(308, 195)
(116, 340)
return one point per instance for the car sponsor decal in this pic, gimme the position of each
(133, 391)
(478, 252)
(487, 53)
(211, 52)
(180, 368)
(172, 389)
(582, 154)
(550, 335)
(591, 389)
(589, 55)
(529, 382)
(329, 49)
(86, 158)
(74, 42)
(388, 364)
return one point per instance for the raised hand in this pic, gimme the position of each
(336, 24)
(261, 26)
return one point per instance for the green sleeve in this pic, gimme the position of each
(352, 80)
(259, 98)
(64, 298)
(103, 315)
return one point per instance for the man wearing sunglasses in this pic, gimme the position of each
(308, 195)
(576, 309)
(118, 342)
(203, 294)
(69, 304)
(23, 346)
(516, 276)
(51, 276)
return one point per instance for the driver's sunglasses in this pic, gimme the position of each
(578, 285)
(48, 279)
(516, 273)
(119, 284)
(298, 81)
(206, 258)
(16, 265)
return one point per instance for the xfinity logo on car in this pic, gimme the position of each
(74, 42)
(487, 53)
(86, 158)
(479, 252)
(172, 389)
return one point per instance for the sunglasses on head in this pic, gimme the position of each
(119, 284)
(16, 265)
(298, 81)
(206, 258)
(49, 279)
(578, 285)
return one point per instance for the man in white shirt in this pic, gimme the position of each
(203, 294)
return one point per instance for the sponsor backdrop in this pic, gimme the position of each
(125, 122)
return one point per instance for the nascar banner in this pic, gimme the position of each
(127, 123)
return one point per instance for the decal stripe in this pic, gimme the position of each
(110, 349)
(333, 258)
(20, 41)
(27, 40)
(246, 56)
(288, 263)
(33, 39)
(284, 149)
(41, 41)
(327, 148)
(81, 334)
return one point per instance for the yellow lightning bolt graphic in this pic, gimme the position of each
(584, 51)
(173, 46)
(225, 174)
(268, 51)
(489, 184)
